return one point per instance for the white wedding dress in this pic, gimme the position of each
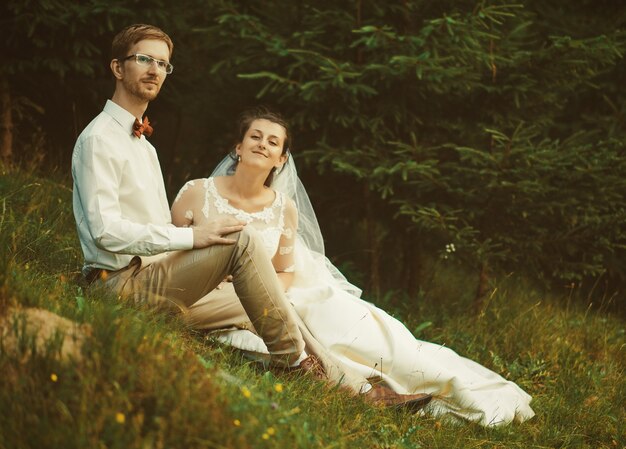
(366, 341)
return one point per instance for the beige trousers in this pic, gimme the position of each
(222, 302)
(183, 279)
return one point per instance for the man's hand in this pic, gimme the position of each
(212, 233)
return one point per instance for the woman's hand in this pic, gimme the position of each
(226, 280)
(285, 279)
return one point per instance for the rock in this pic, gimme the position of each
(23, 330)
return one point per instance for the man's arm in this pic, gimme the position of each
(98, 175)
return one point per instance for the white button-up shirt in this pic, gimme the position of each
(120, 205)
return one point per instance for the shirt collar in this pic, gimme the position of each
(120, 115)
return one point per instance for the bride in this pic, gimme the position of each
(356, 341)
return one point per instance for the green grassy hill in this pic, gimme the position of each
(139, 379)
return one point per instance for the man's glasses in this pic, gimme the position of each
(145, 60)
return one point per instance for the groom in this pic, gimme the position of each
(123, 217)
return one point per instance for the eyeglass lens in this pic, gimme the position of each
(148, 60)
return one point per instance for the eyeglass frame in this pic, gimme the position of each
(151, 61)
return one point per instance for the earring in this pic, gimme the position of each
(239, 158)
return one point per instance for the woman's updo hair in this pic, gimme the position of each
(262, 113)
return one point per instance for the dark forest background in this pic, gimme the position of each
(486, 134)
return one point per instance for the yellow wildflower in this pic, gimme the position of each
(120, 418)
(236, 422)
(270, 431)
(278, 388)
(54, 377)
(265, 436)
(246, 393)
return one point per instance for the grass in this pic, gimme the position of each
(146, 381)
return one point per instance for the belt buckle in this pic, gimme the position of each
(93, 275)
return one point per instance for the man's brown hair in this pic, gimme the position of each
(132, 34)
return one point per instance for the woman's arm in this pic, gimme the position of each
(284, 260)
(187, 201)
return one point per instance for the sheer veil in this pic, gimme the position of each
(286, 180)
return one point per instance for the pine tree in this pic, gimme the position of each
(496, 127)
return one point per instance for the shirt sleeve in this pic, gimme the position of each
(98, 176)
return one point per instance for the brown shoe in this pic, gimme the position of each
(310, 366)
(386, 397)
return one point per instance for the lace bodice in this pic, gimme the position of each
(277, 231)
(270, 222)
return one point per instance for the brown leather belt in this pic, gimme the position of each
(100, 273)
(95, 274)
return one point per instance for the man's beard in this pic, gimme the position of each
(137, 90)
